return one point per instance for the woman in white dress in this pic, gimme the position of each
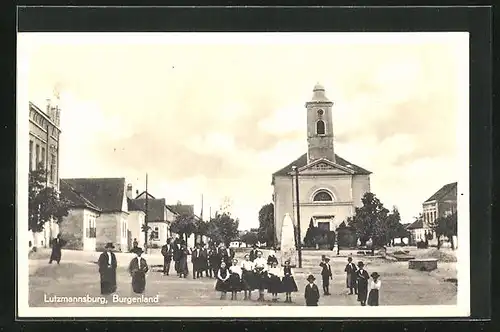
(375, 284)
(235, 283)
(260, 272)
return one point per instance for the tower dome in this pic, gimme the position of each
(319, 94)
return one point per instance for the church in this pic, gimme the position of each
(330, 187)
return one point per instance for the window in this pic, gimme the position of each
(31, 156)
(320, 127)
(37, 156)
(434, 216)
(53, 168)
(91, 228)
(156, 233)
(124, 229)
(320, 112)
(322, 196)
(43, 156)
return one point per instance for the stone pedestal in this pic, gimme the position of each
(428, 264)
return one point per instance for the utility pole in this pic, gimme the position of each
(299, 242)
(146, 228)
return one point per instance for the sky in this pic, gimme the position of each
(217, 114)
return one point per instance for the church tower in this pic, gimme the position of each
(319, 126)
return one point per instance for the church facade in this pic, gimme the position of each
(330, 187)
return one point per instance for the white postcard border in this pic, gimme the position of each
(461, 309)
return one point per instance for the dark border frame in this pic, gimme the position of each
(476, 20)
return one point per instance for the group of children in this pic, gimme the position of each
(256, 274)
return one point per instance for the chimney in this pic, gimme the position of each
(129, 191)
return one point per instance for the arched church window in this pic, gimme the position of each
(320, 127)
(322, 196)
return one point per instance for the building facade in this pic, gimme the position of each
(108, 195)
(44, 143)
(330, 187)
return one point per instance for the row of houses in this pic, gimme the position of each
(441, 204)
(105, 210)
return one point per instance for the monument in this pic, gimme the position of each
(288, 250)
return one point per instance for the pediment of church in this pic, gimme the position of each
(324, 166)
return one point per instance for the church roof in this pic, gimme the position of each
(302, 161)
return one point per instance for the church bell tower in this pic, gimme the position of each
(319, 126)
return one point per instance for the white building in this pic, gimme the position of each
(330, 186)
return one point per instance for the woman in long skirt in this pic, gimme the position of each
(222, 284)
(183, 262)
(235, 282)
(138, 268)
(274, 285)
(289, 284)
(375, 284)
(260, 274)
(248, 277)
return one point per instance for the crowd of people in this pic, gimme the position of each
(253, 273)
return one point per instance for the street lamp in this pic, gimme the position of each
(299, 242)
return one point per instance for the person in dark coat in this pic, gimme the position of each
(289, 285)
(168, 252)
(138, 268)
(135, 245)
(351, 277)
(326, 275)
(253, 253)
(183, 259)
(375, 284)
(198, 257)
(213, 262)
(177, 253)
(362, 279)
(311, 293)
(57, 244)
(222, 284)
(107, 270)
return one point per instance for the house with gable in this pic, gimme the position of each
(79, 226)
(330, 187)
(159, 217)
(109, 196)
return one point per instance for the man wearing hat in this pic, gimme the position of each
(326, 274)
(138, 268)
(362, 280)
(107, 270)
(350, 270)
(311, 293)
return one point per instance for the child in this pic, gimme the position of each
(248, 277)
(235, 284)
(374, 290)
(312, 292)
(138, 268)
(274, 284)
(222, 284)
(289, 284)
(362, 281)
(260, 274)
(326, 274)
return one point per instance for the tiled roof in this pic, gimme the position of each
(302, 161)
(182, 209)
(416, 224)
(77, 200)
(156, 208)
(132, 206)
(441, 193)
(105, 193)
